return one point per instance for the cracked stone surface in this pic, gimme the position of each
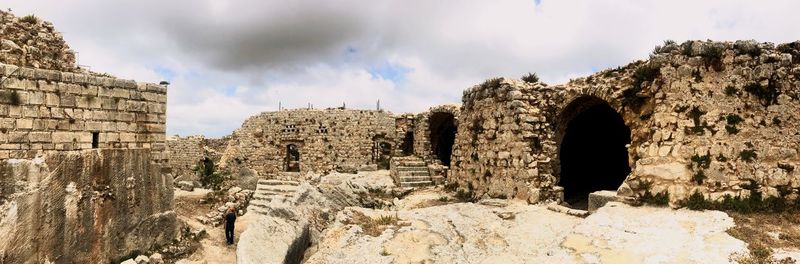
(475, 233)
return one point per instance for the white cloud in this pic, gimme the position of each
(233, 59)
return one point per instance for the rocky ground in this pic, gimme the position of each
(521, 233)
(325, 224)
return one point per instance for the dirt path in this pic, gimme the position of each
(213, 248)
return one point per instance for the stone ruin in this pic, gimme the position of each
(82, 156)
(717, 118)
(86, 170)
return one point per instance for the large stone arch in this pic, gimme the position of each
(592, 139)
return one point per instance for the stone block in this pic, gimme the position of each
(600, 198)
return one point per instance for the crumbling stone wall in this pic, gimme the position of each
(404, 125)
(43, 111)
(30, 42)
(326, 139)
(93, 206)
(185, 153)
(708, 117)
(422, 132)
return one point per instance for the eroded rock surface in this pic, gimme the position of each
(475, 233)
(84, 207)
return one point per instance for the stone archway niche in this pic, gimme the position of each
(592, 153)
(443, 135)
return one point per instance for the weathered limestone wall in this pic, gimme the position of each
(404, 140)
(184, 156)
(43, 111)
(94, 206)
(327, 139)
(495, 151)
(729, 110)
(422, 132)
(31, 42)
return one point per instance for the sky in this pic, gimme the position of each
(228, 60)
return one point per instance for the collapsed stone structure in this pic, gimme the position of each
(718, 118)
(710, 117)
(304, 140)
(82, 176)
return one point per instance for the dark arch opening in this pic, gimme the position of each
(292, 158)
(407, 146)
(443, 135)
(592, 153)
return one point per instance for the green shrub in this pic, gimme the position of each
(748, 155)
(786, 167)
(642, 75)
(712, 56)
(669, 46)
(699, 177)
(29, 19)
(530, 78)
(730, 90)
(491, 83)
(696, 201)
(658, 199)
(209, 177)
(647, 196)
(752, 50)
(733, 120)
(695, 114)
(702, 162)
(767, 95)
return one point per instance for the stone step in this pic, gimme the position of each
(258, 210)
(275, 190)
(260, 203)
(416, 184)
(291, 188)
(260, 195)
(413, 163)
(414, 178)
(277, 182)
(413, 173)
(406, 168)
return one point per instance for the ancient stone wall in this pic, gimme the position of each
(30, 42)
(495, 152)
(325, 139)
(185, 153)
(44, 110)
(708, 117)
(404, 125)
(422, 131)
(93, 206)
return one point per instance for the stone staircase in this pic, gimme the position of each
(268, 190)
(410, 172)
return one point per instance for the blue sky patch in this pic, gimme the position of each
(165, 73)
(388, 71)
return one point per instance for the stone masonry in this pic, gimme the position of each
(82, 155)
(30, 42)
(326, 139)
(45, 110)
(709, 117)
(185, 154)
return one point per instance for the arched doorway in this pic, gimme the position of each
(407, 146)
(592, 152)
(443, 134)
(292, 158)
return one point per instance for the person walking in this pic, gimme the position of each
(230, 219)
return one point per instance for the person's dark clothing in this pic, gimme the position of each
(230, 219)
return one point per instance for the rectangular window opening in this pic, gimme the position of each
(95, 139)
